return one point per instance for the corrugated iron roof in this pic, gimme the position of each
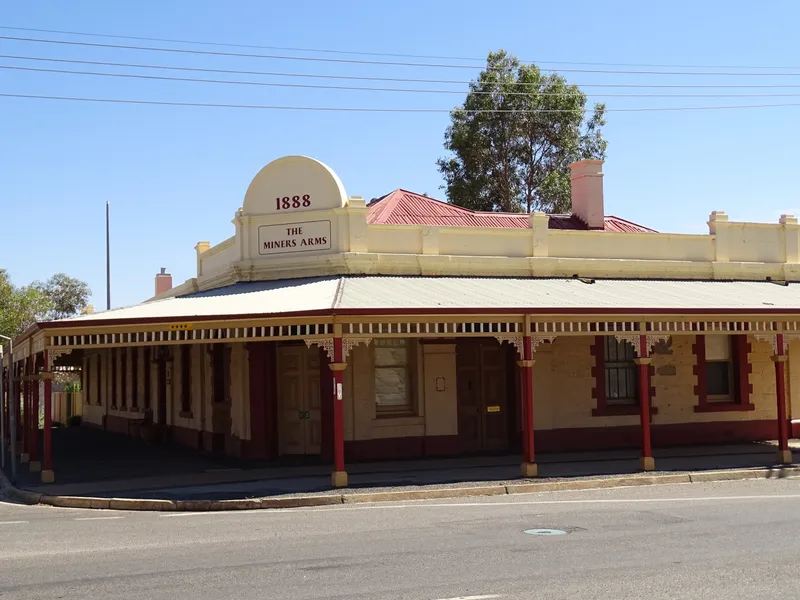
(402, 207)
(434, 294)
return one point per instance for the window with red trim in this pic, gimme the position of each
(722, 370)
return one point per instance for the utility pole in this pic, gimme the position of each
(13, 405)
(108, 255)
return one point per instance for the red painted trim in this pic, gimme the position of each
(597, 349)
(402, 448)
(741, 350)
(712, 407)
(663, 436)
(780, 396)
(699, 370)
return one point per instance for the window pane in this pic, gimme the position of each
(391, 375)
(718, 379)
(390, 353)
(390, 387)
(621, 374)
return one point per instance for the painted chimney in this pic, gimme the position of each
(586, 179)
(163, 281)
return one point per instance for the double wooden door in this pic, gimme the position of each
(484, 410)
(299, 414)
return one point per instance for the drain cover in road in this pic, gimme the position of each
(545, 532)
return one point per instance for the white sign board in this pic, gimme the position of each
(294, 237)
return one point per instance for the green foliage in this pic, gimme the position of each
(58, 297)
(72, 387)
(512, 140)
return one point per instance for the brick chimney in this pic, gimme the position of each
(586, 179)
(163, 281)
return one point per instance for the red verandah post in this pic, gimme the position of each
(784, 454)
(646, 461)
(529, 467)
(47, 449)
(339, 475)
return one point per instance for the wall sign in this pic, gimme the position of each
(294, 237)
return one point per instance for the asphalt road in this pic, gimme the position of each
(737, 540)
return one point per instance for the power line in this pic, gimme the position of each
(379, 89)
(387, 79)
(374, 62)
(389, 54)
(379, 110)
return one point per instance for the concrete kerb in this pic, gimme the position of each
(526, 487)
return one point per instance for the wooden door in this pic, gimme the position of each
(483, 405)
(469, 394)
(299, 414)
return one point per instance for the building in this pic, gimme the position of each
(406, 327)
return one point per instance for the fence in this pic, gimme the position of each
(66, 404)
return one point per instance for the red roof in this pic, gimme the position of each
(402, 207)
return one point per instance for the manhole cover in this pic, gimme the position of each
(545, 532)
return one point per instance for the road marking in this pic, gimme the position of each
(484, 597)
(13, 522)
(98, 518)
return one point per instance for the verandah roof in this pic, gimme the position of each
(386, 294)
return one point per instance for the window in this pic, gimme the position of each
(719, 368)
(620, 373)
(723, 373)
(393, 385)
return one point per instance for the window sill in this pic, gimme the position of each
(723, 407)
(620, 410)
(186, 414)
(397, 420)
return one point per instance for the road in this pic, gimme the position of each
(734, 540)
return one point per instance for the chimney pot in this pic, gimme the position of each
(586, 180)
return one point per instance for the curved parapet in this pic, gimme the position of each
(293, 184)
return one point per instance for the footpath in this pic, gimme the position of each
(214, 487)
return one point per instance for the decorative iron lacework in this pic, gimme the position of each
(651, 341)
(500, 328)
(772, 339)
(437, 328)
(194, 335)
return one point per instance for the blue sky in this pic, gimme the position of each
(175, 176)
